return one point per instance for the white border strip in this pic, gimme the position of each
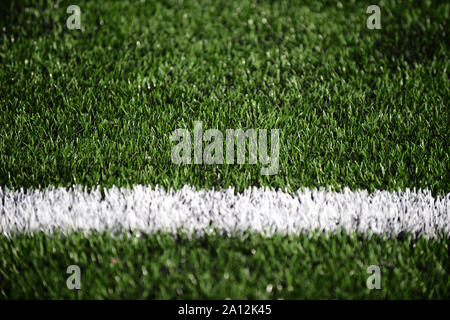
(263, 210)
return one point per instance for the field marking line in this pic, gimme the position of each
(263, 210)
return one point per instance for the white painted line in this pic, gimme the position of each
(262, 210)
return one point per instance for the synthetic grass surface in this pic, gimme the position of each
(162, 267)
(358, 108)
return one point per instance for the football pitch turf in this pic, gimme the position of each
(355, 108)
(212, 267)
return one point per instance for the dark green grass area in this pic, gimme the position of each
(359, 108)
(160, 267)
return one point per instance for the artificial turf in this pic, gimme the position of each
(357, 108)
(159, 266)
